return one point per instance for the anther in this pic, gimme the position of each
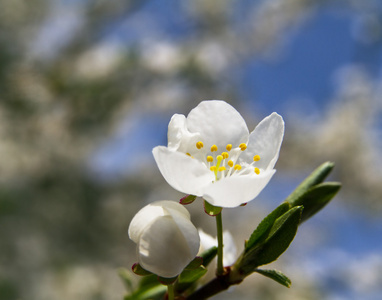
(237, 167)
(229, 147)
(221, 169)
(199, 145)
(225, 155)
(210, 158)
(213, 168)
(214, 148)
(257, 171)
(256, 158)
(242, 146)
(188, 154)
(230, 163)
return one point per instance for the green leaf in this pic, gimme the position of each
(263, 229)
(316, 177)
(195, 263)
(149, 288)
(278, 240)
(127, 280)
(137, 269)
(316, 198)
(187, 199)
(276, 276)
(208, 255)
(211, 210)
(190, 276)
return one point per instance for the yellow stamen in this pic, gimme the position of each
(213, 168)
(229, 147)
(237, 167)
(188, 154)
(222, 169)
(214, 148)
(230, 163)
(225, 155)
(210, 158)
(257, 171)
(256, 158)
(242, 146)
(199, 145)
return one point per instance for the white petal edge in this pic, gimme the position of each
(234, 191)
(183, 173)
(265, 140)
(149, 213)
(179, 137)
(218, 123)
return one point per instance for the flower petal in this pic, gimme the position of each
(234, 191)
(192, 240)
(142, 219)
(265, 140)
(178, 136)
(149, 213)
(162, 248)
(218, 123)
(183, 173)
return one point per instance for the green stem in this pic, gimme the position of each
(170, 291)
(219, 227)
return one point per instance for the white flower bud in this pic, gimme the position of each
(166, 239)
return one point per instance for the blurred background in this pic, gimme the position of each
(87, 89)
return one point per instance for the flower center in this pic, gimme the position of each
(226, 163)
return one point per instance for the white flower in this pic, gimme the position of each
(229, 249)
(211, 154)
(166, 239)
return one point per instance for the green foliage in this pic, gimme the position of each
(276, 276)
(315, 198)
(190, 276)
(316, 177)
(195, 263)
(312, 193)
(272, 242)
(263, 229)
(149, 288)
(208, 255)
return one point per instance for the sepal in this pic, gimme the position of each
(167, 281)
(211, 210)
(137, 269)
(187, 199)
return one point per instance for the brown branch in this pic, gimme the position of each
(217, 285)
